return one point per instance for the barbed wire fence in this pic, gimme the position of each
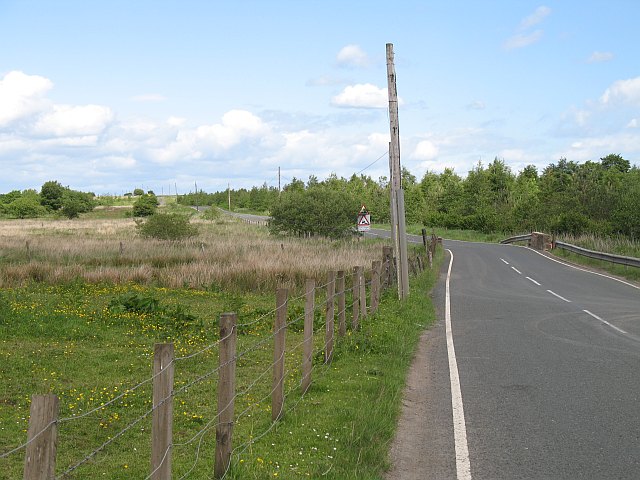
(151, 426)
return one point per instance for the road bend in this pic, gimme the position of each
(548, 359)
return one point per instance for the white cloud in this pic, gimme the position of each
(176, 121)
(363, 95)
(623, 91)
(425, 150)
(521, 40)
(68, 120)
(633, 123)
(21, 95)
(149, 97)
(524, 37)
(352, 56)
(535, 18)
(598, 57)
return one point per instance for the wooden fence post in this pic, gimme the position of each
(226, 393)
(307, 346)
(363, 293)
(342, 315)
(330, 318)
(355, 324)
(162, 419)
(277, 395)
(42, 438)
(375, 285)
(387, 256)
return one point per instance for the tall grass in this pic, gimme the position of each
(226, 255)
(619, 245)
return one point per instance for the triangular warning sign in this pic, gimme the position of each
(363, 220)
(363, 210)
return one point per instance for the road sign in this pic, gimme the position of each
(364, 220)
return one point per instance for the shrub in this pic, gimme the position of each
(167, 226)
(211, 213)
(138, 192)
(26, 207)
(145, 205)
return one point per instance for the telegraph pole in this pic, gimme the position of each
(278, 180)
(229, 194)
(398, 227)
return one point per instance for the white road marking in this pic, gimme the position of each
(559, 296)
(578, 268)
(463, 466)
(505, 262)
(516, 270)
(531, 279)
(605, 322)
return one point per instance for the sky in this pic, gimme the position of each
(108, 96)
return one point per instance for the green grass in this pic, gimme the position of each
(451, 234)
(66, 340)
(630, 273)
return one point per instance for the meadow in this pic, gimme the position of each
(82, 303)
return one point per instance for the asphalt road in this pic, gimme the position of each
(548, 358)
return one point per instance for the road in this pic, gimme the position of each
(547, 358)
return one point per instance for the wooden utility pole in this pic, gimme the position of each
(279, 181)
(229, 194)
(398, 226)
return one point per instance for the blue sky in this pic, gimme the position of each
(111, 95)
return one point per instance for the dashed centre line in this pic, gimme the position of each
(505, 262)
(532, 280)
(516, 270)
(558, 296)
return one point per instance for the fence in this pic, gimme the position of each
(40, 449)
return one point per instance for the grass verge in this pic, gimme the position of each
(75, 341)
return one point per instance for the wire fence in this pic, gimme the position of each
(248, 386)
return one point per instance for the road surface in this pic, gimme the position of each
(548, 364)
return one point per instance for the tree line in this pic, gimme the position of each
(600, 197)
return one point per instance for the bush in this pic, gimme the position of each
(138, 192)
(26, 207)
(318, 211)
(167, 226)
(211, 213)
(145, 205)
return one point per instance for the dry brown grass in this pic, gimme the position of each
(226, 255)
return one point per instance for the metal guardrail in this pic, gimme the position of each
(517, 238)
(607, 257)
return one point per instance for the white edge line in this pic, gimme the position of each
(578, 268)
(463, 466)
(559, 296)
(532, 280)
(516, 270)
(605, 322)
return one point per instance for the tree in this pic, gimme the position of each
(614, 160)
(51, 194)
(318, 211)
(27, 206)
(138, 192)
